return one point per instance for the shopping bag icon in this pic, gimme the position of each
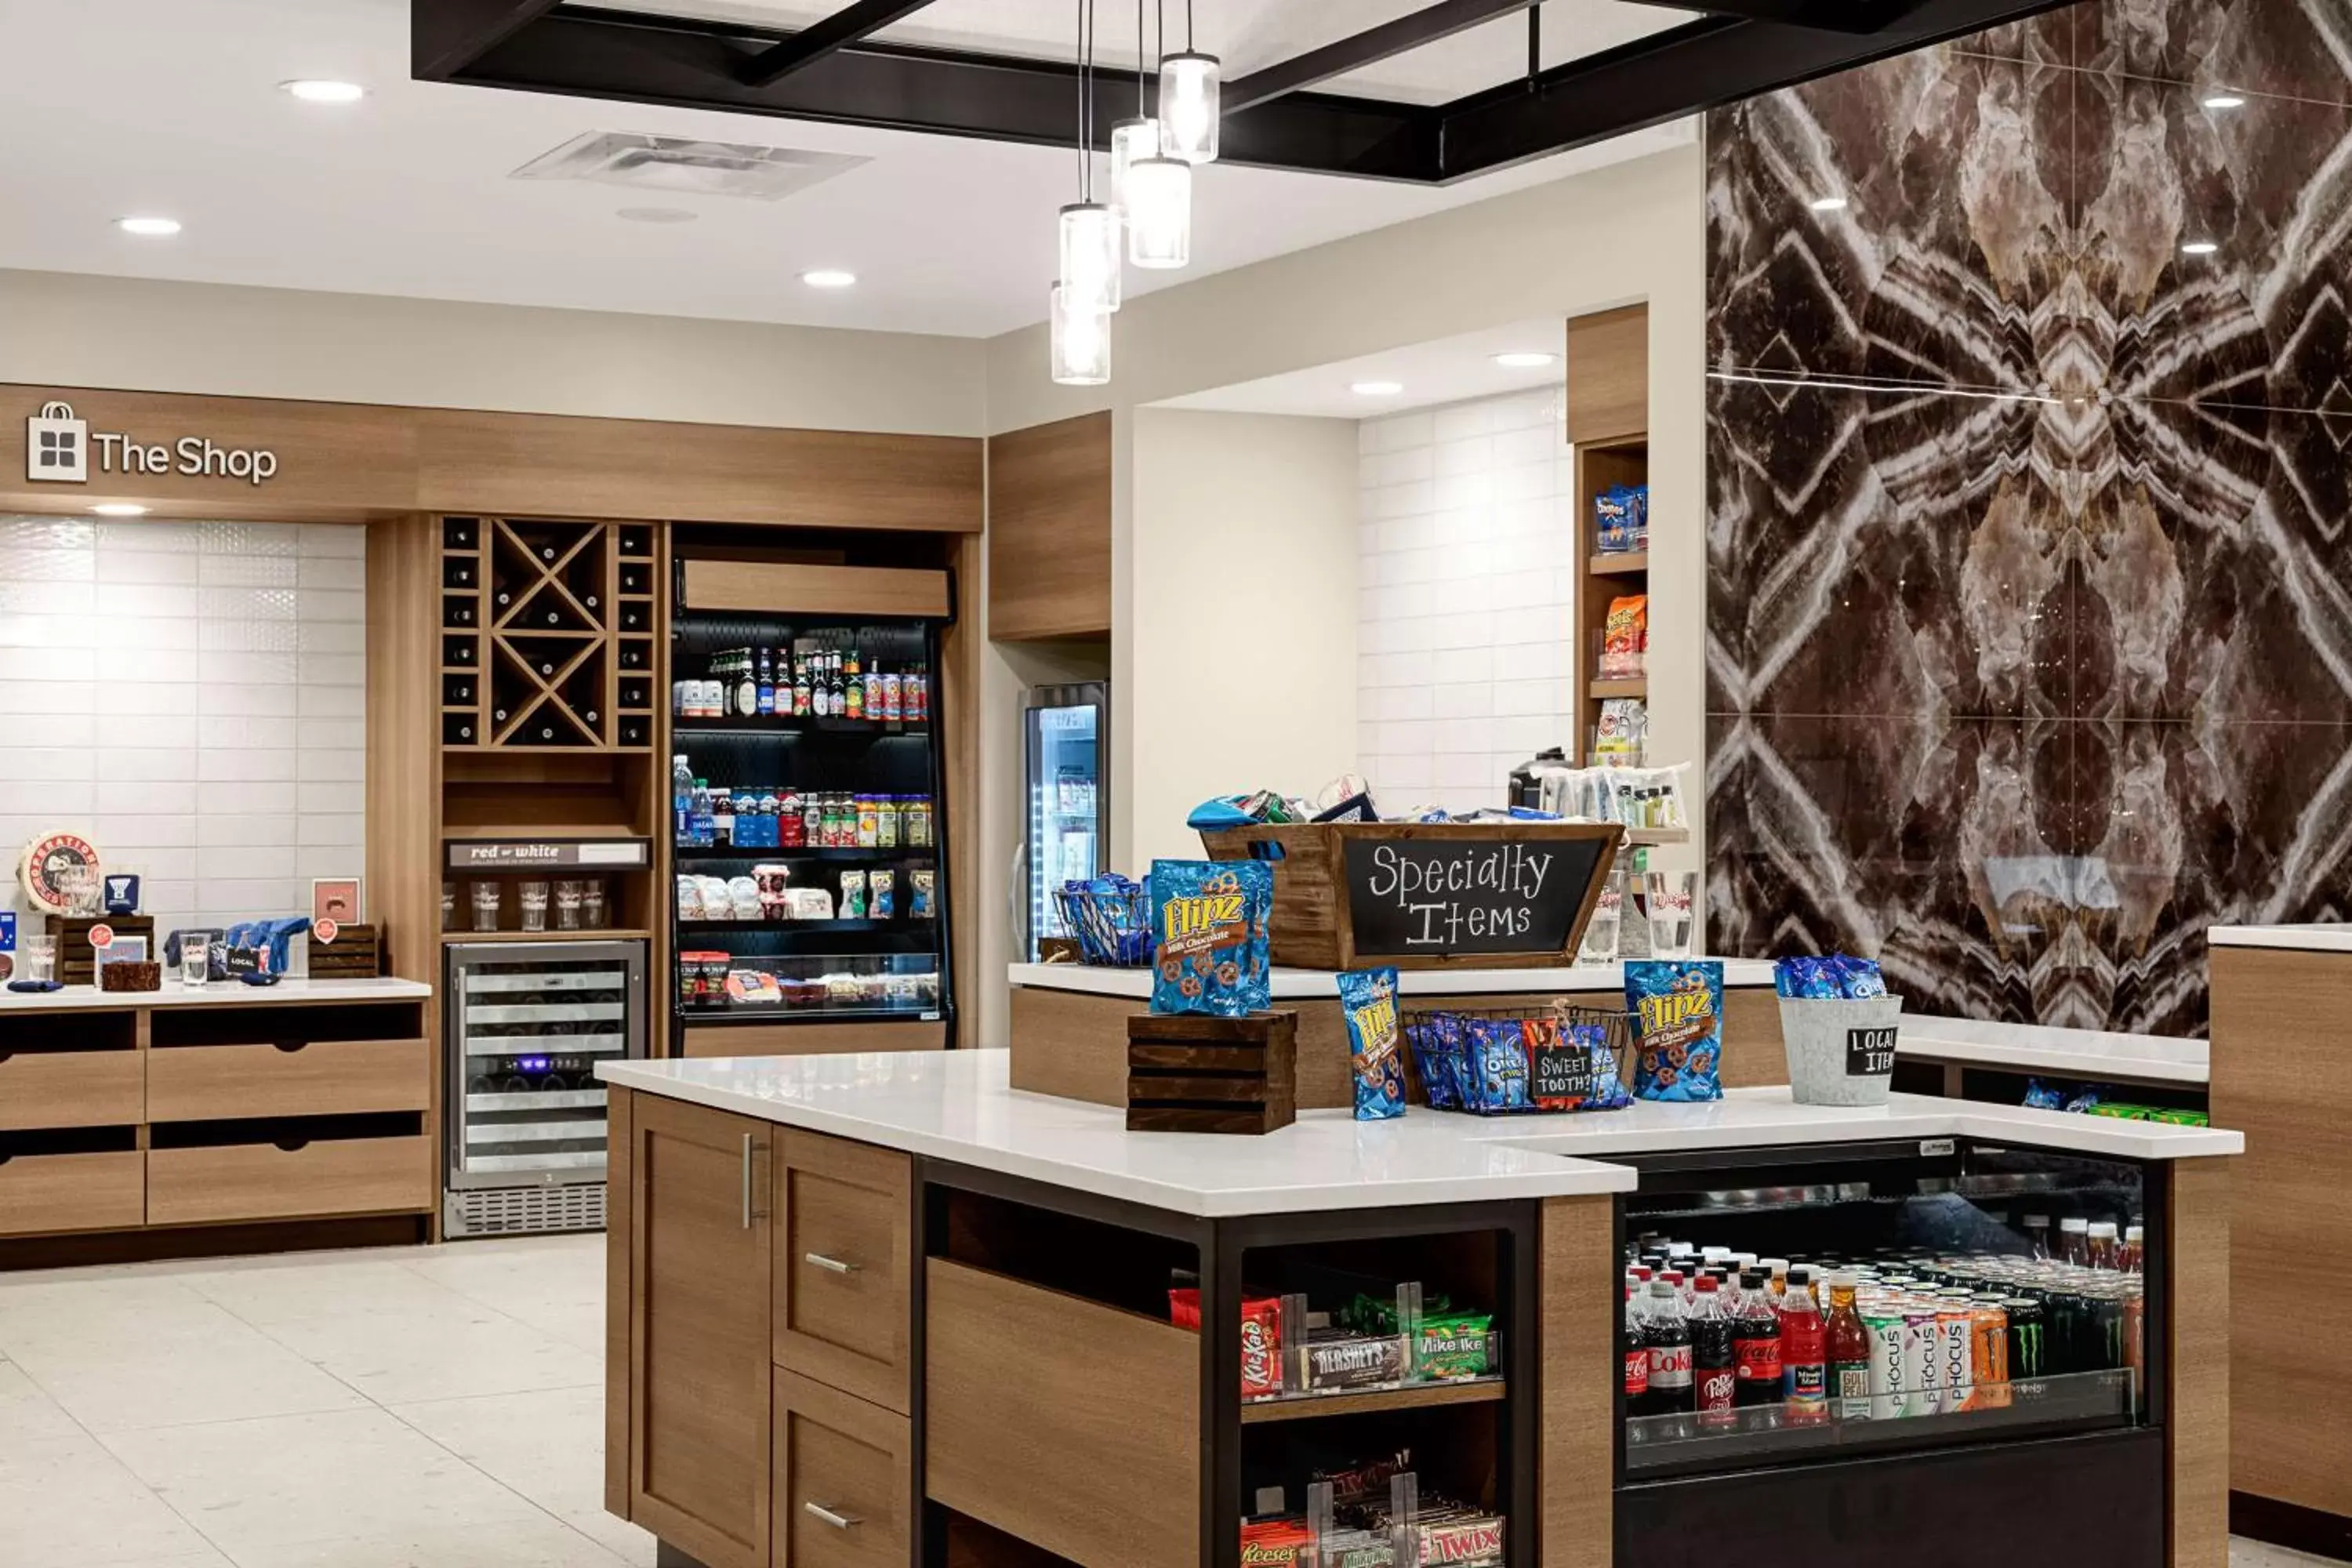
(57, 445)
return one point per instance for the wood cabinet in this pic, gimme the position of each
(844, 1482)
(1607, 369)
(845, 1237)
(1049, 506)
(322, 1077)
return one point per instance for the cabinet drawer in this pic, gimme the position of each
(69, 1088)
(72, 1192)
(326, 1078)
(844, 1242)
(844, 1480)
(262, 1181)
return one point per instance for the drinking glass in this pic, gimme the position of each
(37, 958)
(533, 897)
(568, 900)
(1600, 944)
(1673, 901)
(591, 903)
(196, 959)
(486, 899)
(449, 906)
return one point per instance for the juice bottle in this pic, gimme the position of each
(1804, 1351)
(2106, 1252)
(2135, 1249)
(2074, 1241)
(1847, 1342)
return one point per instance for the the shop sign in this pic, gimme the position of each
(59, 448)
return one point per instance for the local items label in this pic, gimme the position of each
(1870, 1053)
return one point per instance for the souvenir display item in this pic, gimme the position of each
(1679, 1002)
(52, 866)
(1368, 998)
(1209, 922)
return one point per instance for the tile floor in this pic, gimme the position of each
(413, 1408)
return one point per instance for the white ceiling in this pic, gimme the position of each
(1449, 370)
(171, 106)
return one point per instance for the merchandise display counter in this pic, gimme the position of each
(1069, 1020)
(899, 1305)
(1967, 1058)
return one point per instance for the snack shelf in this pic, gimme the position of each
(1624, 565)
(1411, 1396)
(900, 923)
(785, 728)
(836, 856)
(1637, 686)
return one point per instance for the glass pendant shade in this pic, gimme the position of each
(1081, 342)
(1091, 259)
(1189, 109)
(1131, 140)
(1160, 212)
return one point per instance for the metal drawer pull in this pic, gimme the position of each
(838, 1520)
(746, 1181)
(830, 1265)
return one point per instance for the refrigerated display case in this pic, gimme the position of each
(526, 1024)
(809, 834)
(1066, 743)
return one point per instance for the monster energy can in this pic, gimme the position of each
(2029, 1350)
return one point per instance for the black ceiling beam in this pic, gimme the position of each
(838, 31)
(1831, 16)
(638, 59)
(1685, 71)
(446, 35)
(1368, 48)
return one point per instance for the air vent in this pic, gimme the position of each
(684, 166)
(524, 1211)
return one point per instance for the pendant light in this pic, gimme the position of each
(1132, 140)
(1159, 214)
(1089, 229)
(1081, 342)
(1189, 109)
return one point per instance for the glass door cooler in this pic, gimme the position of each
(526, 1024)
(1836, 1352)
(1065, 743)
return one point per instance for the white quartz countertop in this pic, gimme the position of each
(219, 994)
(2332, 937)
(1317, 985)
(2089, 1054)
(959, 1106)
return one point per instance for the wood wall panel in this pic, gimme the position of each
(2197, 1412)
(1049, 506)
(619, 1302)
(764, 587)
(1580, 1289)
(1607, 375)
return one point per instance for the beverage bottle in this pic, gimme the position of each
(2134, 1249)
(1637, 1349)
(1776, 1278)
(1667, 1333)
(1714, 1372)
(821, 686)
(853, 684)
(767, 685)
(1804, 1351)
(1756, 1341)
(800, 679)
(2037, 1236)
(2105, 1251)
(704, 831)
(1847, 1344)
(681, 799)
(836, 695)
(2074, 1241)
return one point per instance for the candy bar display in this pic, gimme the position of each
(1373, 1514)
(1371, 1340)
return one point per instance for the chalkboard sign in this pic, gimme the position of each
(1870, 1053)
(1560, 1068)
(1469, 890)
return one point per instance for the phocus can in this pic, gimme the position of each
(1955, 1332)
(1889, 1397)
(1923, 1367)
(1989, 1353)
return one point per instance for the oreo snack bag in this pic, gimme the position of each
(1368, 999)
(1210, 931)
(1680, 1006)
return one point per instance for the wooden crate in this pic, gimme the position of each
(356, 953)
(77, 961)
(1190, 1073)
(1316, 925)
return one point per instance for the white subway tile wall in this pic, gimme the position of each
(192, 695)
(1468, 607)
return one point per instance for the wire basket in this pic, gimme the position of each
(1427, 1052)
(1113, 930)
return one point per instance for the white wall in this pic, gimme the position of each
(194, 696)
(71, 329)
(1464, 640)
(1245, 575)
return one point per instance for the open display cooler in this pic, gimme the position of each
(526, 1024)
(809, 833)
(2015, 1408)
(1066, 743)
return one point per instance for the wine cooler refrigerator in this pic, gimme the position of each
(526, 1024)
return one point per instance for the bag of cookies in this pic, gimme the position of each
(1680, 1006)
(1209, 927)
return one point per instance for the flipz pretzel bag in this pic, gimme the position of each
(1209, 926)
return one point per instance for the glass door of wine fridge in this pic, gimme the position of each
(526, 1024)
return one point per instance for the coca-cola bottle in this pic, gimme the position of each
(1666, 1335)
(1637, 1348)
(1756, 1343)
(1714, 1377)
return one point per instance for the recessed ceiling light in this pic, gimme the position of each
(315, 90)
(152, 227)
(1376, 388)
(2224, 100)
(656, 214)
(119, 509)
(2199, 248)
(829, 278)
(1527, 359)
(1827, 203)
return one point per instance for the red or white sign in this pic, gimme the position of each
(325, 931)
(101, 937)
(46, 855)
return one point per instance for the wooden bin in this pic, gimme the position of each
(356, 953)
(1188, 1072)
(1319, 924)
(78, 960)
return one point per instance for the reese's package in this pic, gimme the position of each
(1368, 998)
(1679, 1006)
(1209, 926)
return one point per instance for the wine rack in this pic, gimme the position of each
(547, 635)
